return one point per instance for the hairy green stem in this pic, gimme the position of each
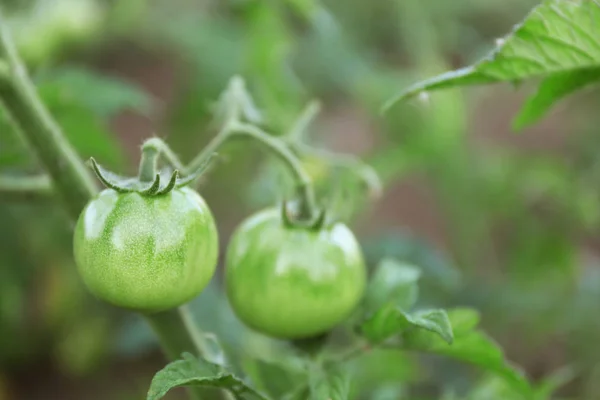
(306, 117)
(172, 330)
(72, 181)
(278, 148)
(362, 170)
(25, 187)
(236, 129)
(148, 164)
(166, 152)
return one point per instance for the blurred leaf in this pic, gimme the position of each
(84, 129)
(391, 320)
(270, 43)
(273, 378)
(103, 95)
(44, 30)
(556, 37)
(213, 351)
(493, 387)
(436, 267)
(333, 384)
(550, 384)
(382, 367)
(388, 392)
(550, 91)
(81, 102)
(470, 345)
(193, 371)
(393, 282)
(84, 344)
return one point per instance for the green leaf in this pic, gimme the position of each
(557, 37)
(105, 96)
(333, 384)
(394, 282)
(552, 89)
(470, 346)
(85, 129)
(493, 387)
(390, 321)
(81, 102)
(193, 371)
(436, 267)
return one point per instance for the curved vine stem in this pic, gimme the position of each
(362, 170)
(235, 101)
(277, 147)
(307, 116)
(73, 183)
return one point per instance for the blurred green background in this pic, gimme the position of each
(501, 222)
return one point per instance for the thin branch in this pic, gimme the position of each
(362, 170)
(307, 116)
(25, 187)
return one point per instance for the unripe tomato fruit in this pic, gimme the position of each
(293, 282)
(146, 253)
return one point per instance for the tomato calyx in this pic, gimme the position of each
(149, 182)
(291, 221)
(155, 187)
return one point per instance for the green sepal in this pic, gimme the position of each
(123, 184)
(316, 224)
(172, 183)
(152, 190)
(319, 222)
(116, 182)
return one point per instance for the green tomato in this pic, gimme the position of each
(146, 253)
(293, 282)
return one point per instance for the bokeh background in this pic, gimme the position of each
(503, 222)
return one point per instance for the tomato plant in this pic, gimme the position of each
(311, 302)
(278, 275)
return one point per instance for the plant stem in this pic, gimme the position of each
(277, 147)
(148, 164)
(72, 182)
(306, 117)
(174, 337)
(165, 151)
(195, 333)
(25, 187)
(362, 170)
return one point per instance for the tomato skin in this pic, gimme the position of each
(293, 282)
(146, 253)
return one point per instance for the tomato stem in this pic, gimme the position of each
(307, 116)
(363, 171)
(238, 104)
(25, 187)
(175, 339)
(278, 148)
(236, 129)
(148, 164)
(165, 151)
(73, 183)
